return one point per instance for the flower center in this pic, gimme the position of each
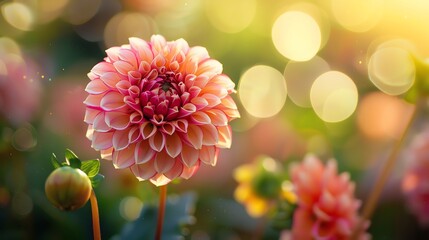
(166, 86)
(266, 185)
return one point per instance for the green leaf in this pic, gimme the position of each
(55, 161)
(96, 180)
(72, 159)
(91, 167)
(178, 212)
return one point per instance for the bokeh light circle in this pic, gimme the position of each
(334, 96)
(300, 76)
(231, 16)
(130, 208)
(296, 35)
(392, 70)
(128, 24)
(380, 116)
(262, 91)
(18, 15)
(358, 15)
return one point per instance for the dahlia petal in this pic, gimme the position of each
(120, 140)
(123, 67)
(200, 118)
(224, 81)
(191, 67)
(194, 91)
(143, 171)
(112, 101)
(142, 48)
(210, 134)
(107, 153)
(113, 53)
(134, 77)
(323, 232)
(96, 87)
(231, 113)
(158, 42)
(102, 67)
(143, 152)
(100, 123)
(158, 61)
(117, 120)
(188, 172)
(208, 155)
(228, 102)
(123, 87)
(110, 78)
(195, 136)
(213, 100)
(217, 117)
(198, 53)
(185, 97)
(92, 76)
(157, 141)
(189, 80)
(225, 136)
(159, 180)
(124, 158)
(89, 132)
(134, 134)
(175, 171)
(209, 66)
(174, 66)
(136, 117)
(168, 128)
(327, 201)
(90, 115)
(101, 141)
(216, 90)
(201, 81)
(93, 100)
(343, 226)
(320, 214)
(173, 145)
(200, 102)
(128, 56)
(189, 155)
(181, 125)
(187, 110)
(163, 162)
(147, 130)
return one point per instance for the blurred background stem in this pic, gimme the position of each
(374, 196)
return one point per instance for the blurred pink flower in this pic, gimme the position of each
(327, 208)
(19, 91)
(159, 108)
(415, 183)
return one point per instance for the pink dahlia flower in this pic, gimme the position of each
(415, 183)
(159, 108)
(19, 89)
(327, 208)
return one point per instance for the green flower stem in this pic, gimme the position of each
(161, 210)
(95, 216)
(385, 172)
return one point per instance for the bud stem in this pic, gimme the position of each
(161, 210)
(95, 216)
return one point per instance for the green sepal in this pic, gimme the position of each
(91, 167)
(55, 162)
(96, 180)
(72, 159)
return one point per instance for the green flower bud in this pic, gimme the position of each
(68, 188)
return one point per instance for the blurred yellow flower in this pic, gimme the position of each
(261, 185)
